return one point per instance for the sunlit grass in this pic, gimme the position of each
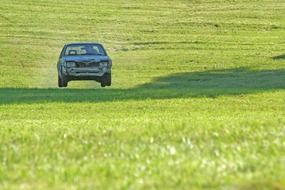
(197, 100)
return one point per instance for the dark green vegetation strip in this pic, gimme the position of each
(197, 101)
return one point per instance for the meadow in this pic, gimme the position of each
(197, 101)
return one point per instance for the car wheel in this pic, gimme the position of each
(102, 84)
(62, 81)
(108, 79)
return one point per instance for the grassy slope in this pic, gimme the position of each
(197, 101)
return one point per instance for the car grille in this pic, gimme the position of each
(87, 64)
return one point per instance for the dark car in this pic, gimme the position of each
(84, 61)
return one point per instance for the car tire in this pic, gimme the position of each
(106, 80)
(62, 81)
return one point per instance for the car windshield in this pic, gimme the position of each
(84, 49)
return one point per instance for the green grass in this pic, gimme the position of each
(197, 100)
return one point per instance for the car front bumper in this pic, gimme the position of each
(87, 72)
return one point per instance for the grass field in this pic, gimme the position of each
(197, 101)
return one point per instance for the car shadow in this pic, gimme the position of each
(212, 83)
(279, 57)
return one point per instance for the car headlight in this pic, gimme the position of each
(70, 64)
(103, 64)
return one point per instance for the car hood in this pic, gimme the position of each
(85, 58)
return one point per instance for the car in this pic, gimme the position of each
(84, 61)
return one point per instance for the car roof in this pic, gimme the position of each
(83, 43)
